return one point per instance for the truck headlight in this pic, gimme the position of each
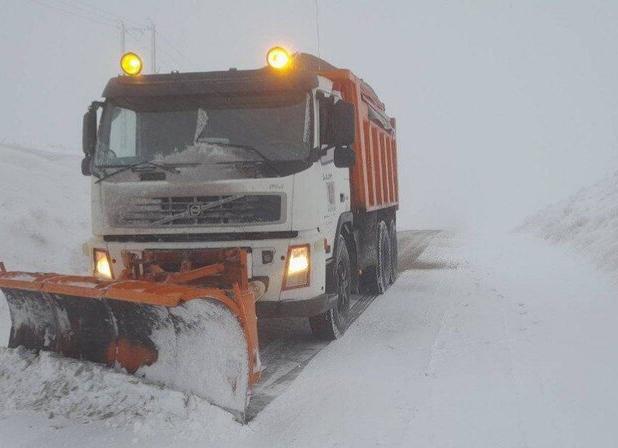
(102, 265)
(297, 267)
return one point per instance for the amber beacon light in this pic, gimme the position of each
(278, 58)
(131, 64)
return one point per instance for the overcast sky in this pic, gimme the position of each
(501, 107)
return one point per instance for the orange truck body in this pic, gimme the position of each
(373, 179)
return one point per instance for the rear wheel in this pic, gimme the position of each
(392, 230)
(378, 277)
(332, 324)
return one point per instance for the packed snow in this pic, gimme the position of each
(217, 369)
(485, 340)
(69, 392)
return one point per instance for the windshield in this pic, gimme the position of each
(170, 132)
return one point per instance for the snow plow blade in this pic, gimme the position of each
(193, 331)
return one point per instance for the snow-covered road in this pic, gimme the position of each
(487, 341)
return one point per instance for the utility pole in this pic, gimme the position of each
(153, 41)
(123, 40)
(317, 27)
(153, 46)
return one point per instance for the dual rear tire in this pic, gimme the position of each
(379, 278)
(332, 324)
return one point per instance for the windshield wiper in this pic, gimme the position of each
(132, 166)
(265, 159)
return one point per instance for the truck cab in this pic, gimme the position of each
(268, 160)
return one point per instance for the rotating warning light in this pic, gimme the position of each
(278, 58)
(131, 64)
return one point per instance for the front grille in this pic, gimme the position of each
(200, 211)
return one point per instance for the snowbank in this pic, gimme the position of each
(44, 210)
(587, 221)
(44, 214)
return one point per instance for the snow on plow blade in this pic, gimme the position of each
(197, 339)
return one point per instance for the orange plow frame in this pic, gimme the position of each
(231, 290)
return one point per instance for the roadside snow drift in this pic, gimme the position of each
(44, 215)
(45, 204)
(587, 221)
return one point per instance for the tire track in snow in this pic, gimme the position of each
(469, 368)
(287, 346)
(514, 378)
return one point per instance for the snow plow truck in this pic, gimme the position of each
(219, 198)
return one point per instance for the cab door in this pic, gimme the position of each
(335, 181)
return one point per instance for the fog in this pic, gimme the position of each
(501, 107)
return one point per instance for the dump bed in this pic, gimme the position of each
(373, 178)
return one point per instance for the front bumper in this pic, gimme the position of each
(273, 269)
(296, 308)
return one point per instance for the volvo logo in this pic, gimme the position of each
(195, 210)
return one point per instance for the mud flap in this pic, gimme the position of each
(197, 347)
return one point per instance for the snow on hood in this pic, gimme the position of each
(206, 153)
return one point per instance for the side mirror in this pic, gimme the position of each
(89, 131)
(343, 115)
(337, 125)
(87, 166)
(344, 157)
(89, 136)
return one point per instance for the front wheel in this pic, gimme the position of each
(331, 324)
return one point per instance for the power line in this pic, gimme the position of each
(93, 14)
(73, 13)
(169, 43)
(162, 44)
(172, 61)
(136, 32)
(161, 37)
(153, 46)
(99, 11)
(86, 11)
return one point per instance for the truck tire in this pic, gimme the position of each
(378, 277)
(331, 324)
(394, 251)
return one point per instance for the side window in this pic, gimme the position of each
(325, 118)
(123, 132)
(326, 123)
